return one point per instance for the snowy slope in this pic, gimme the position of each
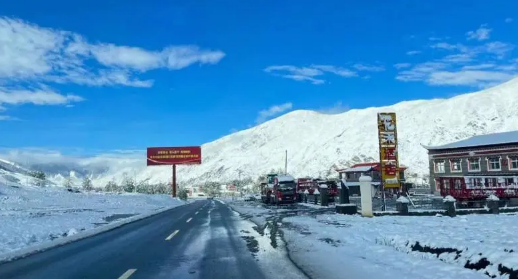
(317, 143)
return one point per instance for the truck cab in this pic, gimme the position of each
(279, 189)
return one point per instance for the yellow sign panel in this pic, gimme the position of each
(389, 164)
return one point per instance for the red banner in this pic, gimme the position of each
(173, 155)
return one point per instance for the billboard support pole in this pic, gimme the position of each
(173, 182)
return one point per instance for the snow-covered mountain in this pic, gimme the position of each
(318, 143)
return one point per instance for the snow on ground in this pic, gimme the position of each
(35, 215)
(328, 245)
(369, 247)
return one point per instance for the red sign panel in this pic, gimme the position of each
(173, 155)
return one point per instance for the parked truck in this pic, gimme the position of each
(278, 189)
(305, 184)
(332, 188)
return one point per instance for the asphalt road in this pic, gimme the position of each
(204, 239)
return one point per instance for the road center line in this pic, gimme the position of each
(196, 212)
(189, 220)
(171, 235)
(127, 274)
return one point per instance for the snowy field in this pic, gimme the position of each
(35, 215)
(328, 245)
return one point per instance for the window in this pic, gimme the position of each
(513, 163)
(493, 164)
(455, 165)
(474, 164)
(458, 184)
(509, 181)
(475, 182)
(446, 183)
(439, 166)
(491, 182)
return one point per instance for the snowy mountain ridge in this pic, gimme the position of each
(319, 143)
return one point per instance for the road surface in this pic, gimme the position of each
(204, 239)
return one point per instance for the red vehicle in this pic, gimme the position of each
(278, 189)
(332, 187)
(311, 185)
(477, 189)
(304, 184)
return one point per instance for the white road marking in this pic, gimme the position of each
(196, 212)
(172, 235)
(127, 274)
(189, 220)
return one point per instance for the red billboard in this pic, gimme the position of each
(173, 155)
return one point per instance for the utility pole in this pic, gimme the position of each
(286, 163)
(27, 167)
(239, 182)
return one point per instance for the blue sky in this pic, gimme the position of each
(105, 75)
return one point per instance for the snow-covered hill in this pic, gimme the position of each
(318, 143)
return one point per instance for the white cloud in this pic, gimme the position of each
(343, 72)
(413, 52)
(179, 57)
(126, 57)
(467, 77)
(309, 73)
(313, 73)
(368, 68)
(447, 46)
(35, 97)
(421, 71)
(337, 108)
(441, 73)
(508, 20)
(272, 111)
(458, 58)
(33, 53)
(8, 118)
(481, 34)
(303, 71)
(479, 66)
(473, 65)
(402, 65)
(512, 67)
(304, 78)
(499, 49)
(104, 77)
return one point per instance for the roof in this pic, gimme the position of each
(363, 167)
(359, 169)
(482, 140)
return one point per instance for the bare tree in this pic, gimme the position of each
(87, 184)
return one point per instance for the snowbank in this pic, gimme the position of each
(32, 216)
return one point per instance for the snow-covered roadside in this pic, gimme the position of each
(317, 206)
(338, 246)
(255, 211)
(35, 216)
(386, 246)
